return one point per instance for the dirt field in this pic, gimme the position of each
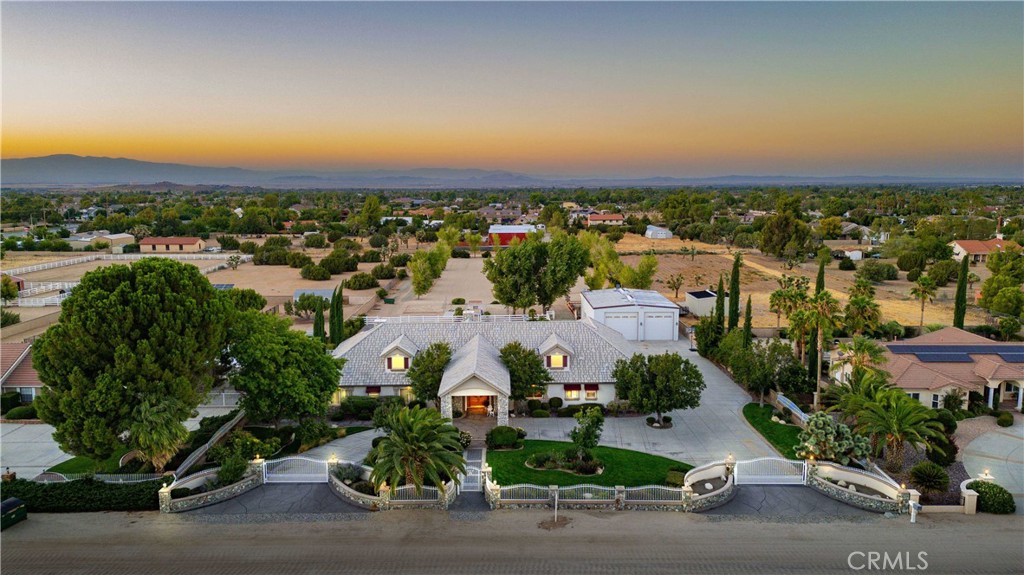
(638, 243)
(13, 260)
(758, 279)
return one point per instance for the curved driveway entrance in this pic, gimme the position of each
(1001, 452)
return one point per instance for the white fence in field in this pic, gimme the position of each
(36, 288)
(121, 258)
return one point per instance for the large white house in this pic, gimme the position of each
(639, 315)
(580, 355)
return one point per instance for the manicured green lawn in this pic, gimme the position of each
(354, 429)
(621, 466)
(783, 437)
(82, 464)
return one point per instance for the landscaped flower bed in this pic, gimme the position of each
(621, 466)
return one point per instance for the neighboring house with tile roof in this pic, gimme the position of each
(580, 355)
(979, 250)
(16, 371)
(931, 365)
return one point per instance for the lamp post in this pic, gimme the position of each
(986, 476)
(730, 464)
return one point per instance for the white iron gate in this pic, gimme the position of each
(295, 470)
(471, 480)
(771, 471)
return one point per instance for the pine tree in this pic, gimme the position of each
(813, 353)
(720, 305)
(318, 324)
(960, 302)
(337, 316)
(734, 292)
(748, 330)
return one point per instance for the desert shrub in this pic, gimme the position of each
(847, 265)
(265, 256)
(228, 242)
(361, 281)
(9, 400)
(232, 470)
(402, 274)
(993, 498)
(299, 260)
(400, 260)
(928, 476)
(947, 419)
(460, 254)
(533, 405)
(555, 402)
(247, 247)
(383, 272)
(943, 272)
(502, 436)
(22, 412)
(333, 236)
(378, 241)
(877, 272)
(315, 272)
(675, 478)
(340, 262)
(84, 495)
(9, 318)
(911, 260)
(1005, 419)
(913, 275)
(315, 241)
(278, 242)
(348, 244)
(370, 256)
(947, 455)
(349, 473)
(459, 301)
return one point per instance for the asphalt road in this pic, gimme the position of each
(434, 542)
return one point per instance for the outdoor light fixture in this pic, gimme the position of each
(986, 476)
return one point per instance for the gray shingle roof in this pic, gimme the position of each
(596, 347)
(403, 343)
(477, 358)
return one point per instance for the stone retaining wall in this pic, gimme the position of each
(354, 497)
(168, 505)
(860, 500)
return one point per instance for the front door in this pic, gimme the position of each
(478, 404)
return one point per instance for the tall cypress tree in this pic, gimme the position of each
(337, 318)
(960, 303)
(720, 305)
(318, 324)
(812, 348)
(748, 330)
(734, 292)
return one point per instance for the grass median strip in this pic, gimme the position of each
(621, 466)
(783, 437)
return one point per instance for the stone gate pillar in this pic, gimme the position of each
(502, 410)
(446, 406)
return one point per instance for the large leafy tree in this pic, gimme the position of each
(587, 433)
(421, 447)
(526, 371)
(534, 272)
(246, 299)
(767, 366)
(150, 332)
(281, 373)
(427, 369)
(566, 261)
(658, 383)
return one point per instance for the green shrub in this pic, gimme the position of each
(247, 247)
(459, 254)
(501, 437)
(675, 478)
(298, 260)
(364, 487)
(913, 275)
(875, 271)
(651, 420)
(947, 419)
(270, 256)
(521, 433)
(376, 440)
(382, 293)
(459, 301)
(348, 244)
(315, 273)
(340, 262)
(179, 492)
(928, 476)
(911, 260)
(666, 419)
(1005, 419)
(402, 274)
(947, 456)
(540, 413)
(370, 257)
(232, 470)
(587, 467)
(361, 281)
(278, 242)
(400, 260)
(245, 445)
(312, 431)
(228, 242)
(555, 402)
(943, 272)
(9, 318)
(569, 410)
(84, 495)
(993, 498)
(349, 472)
(315, 241)
(23, 412)
(383, 272)
(9, 400)
(847, 265)
(533, 405)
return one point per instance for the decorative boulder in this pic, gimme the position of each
(709, 486)
(853, 488)
(841, 483)
(724, 478)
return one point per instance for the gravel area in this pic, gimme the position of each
(957, 472)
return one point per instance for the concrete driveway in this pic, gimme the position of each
(708, 433)
(352, 448)
(1002, 453)
(29, 449)
(278, 498)
(786, 501)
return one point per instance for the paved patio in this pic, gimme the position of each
(1002, 453)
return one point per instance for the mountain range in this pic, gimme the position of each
(67, 170)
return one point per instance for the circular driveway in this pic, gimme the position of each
(1002, 453)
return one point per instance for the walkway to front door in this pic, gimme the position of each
(477, 426)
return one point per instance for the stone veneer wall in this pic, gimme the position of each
(861, 500)
(168, 505)
(354, 497)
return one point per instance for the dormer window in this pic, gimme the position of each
(557, 361)
(398, 362)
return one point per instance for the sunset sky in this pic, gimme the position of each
(602, 89)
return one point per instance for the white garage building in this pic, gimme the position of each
(639, 315)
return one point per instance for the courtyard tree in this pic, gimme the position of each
(422, 275)
(150, 332)
(897, 421)
(587, 433)
(641, 276)
(427, 369)
(281, 372)
(536, 272)
(527, 374)
(658, 383)
(422, 447)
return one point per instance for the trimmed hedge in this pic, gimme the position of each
(555, 402)
(1005, 419)
(9, 400)
(502, 437)
(993, 498)
(84, 495)
(24, 412)
(541, 413)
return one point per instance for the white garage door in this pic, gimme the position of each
(659, 326)
(624, 323)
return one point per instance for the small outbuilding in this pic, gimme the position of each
(657, 233)
(701, 303)
(639, 315)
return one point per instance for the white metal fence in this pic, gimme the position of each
(222, 399)
(525, 492)
(408, 493)
(653, 494)
(36, 288)
(456, 318)
(121, 257)
(38, 301)
(470, 481)
(52, 476)
(586, 492)
(198, 453)
(771, 471)
(787, 402)
(295, 470)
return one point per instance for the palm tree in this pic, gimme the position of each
(862, 313)
(799, 329)
(862, 287)
(775, 305)
(157, 432)
(823, 310)
(864, 386)
(925, 291)
(861, 353)
(900, 421)
(422, 446)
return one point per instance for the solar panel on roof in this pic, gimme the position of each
(1012, 357)
(223, 286)
(944, 357)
